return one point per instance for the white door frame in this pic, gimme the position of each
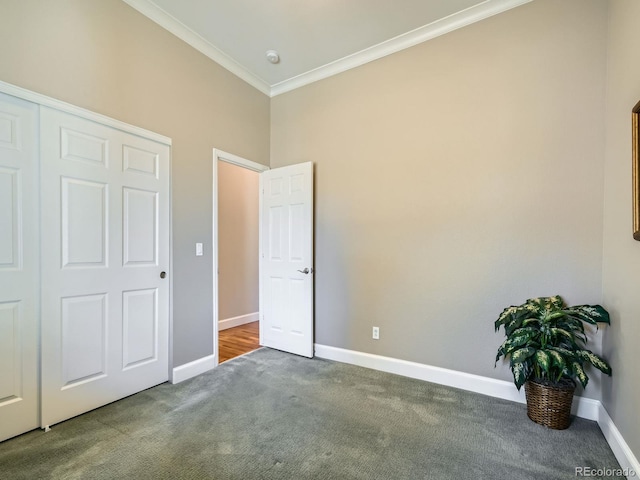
(249, 165)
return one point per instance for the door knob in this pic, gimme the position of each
(163, 274)
(305, 271)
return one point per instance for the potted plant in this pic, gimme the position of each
(545, 346)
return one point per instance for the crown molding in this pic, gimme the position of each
(180, 30)
(432, 30)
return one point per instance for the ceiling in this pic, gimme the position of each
(314, 38)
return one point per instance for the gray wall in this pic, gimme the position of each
(621, 280)
(106, 57)
(237, 241)
(453, 179)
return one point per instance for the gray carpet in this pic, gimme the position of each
(270, 415)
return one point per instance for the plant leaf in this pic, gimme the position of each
(561, 332)
(547, 303)
(595, 360)
(505, 316)
(556, 301)
(530, 321)
(572, 324)
(554, 315)
(522, 354)
(569, 355)
(514, 324)
(501, 351)
(520, 374)
(518, 338)
(590, 313)
(557, 358)
(580, 373)
(544, 361)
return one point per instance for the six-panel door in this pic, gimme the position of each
(18, 266)
(286, 264)
(105, 242)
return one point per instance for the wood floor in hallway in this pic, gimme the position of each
(236, 341)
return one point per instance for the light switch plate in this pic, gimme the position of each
(199, 250)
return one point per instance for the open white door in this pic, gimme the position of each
(286, 260)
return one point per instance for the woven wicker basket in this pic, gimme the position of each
(550, 405)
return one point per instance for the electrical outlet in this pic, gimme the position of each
(376, 333)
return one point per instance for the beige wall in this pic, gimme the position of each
(453, 179)
(105, 56)
(621, 281)
(237, 241)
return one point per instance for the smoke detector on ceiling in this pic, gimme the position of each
(273, 56)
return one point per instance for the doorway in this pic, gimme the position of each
(236, 224)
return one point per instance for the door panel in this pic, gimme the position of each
(84, 338)
(140, 227)
(10, 351)
(105, 221)
(286, 275)
(18, 266)
(140, 327)
(10, 206)
(84, 223)
(140, 161)
(81, 147)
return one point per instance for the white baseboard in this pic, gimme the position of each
(193, 369)
(582, 407)
(619, 446)
(587, 408)
(237, 321)
(442, 376)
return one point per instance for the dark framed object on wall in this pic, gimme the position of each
(635, 122)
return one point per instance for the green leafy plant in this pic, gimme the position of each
(546, 338)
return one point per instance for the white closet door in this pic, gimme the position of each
(105, 244)
(18, 266)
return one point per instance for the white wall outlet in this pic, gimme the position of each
(376, 333)
(199, 251)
